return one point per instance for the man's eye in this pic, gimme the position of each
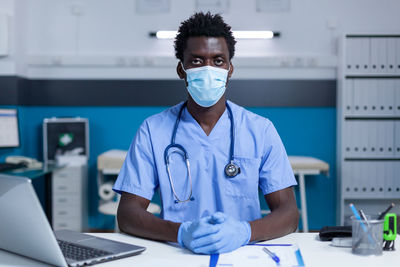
(196, 61)
(219, 62)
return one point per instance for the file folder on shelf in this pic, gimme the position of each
(397, 95)
(396, 167)
(372, 97)
(372, 140)
(353, 55)
(365, 55)
(391, 55)
(363, 134)
(358, 93)
(390, 96)
(374, 57)
(381, 108)
(397, 141)
(397, 67)
(347, 178)
(381, 142)
(348, 92)
(382, 55)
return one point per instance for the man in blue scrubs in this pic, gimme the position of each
(207, 206)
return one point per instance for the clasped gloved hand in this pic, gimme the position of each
(217, 233)
(189, 231)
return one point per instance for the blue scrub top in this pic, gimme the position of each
(259, 153)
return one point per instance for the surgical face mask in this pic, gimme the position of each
(206, 84)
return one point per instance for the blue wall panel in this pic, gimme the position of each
(304, 131)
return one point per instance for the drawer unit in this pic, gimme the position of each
(69, 200)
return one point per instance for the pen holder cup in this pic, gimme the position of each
(367, 236)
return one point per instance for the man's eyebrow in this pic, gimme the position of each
(195, 55)
(219, 55)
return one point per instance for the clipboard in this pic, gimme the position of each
(253, 255)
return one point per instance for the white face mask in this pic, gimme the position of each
(207, 84)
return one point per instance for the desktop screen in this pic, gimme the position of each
(9, 133)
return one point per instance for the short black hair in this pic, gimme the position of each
(201, 24)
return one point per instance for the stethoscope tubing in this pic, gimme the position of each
(186, 156)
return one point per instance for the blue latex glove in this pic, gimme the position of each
(189, 231)
(232, 235)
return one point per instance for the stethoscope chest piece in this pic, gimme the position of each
(231, 170)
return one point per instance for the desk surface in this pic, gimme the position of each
(315, 254)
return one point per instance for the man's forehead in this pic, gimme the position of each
(203, 44)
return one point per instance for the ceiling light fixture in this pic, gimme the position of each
(236, 34)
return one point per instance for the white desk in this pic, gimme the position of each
(303, 166)
(315, 254)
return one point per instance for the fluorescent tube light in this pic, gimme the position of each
(253, 34)
(236, 34)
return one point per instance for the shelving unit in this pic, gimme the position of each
(368, 120)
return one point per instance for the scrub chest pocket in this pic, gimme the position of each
(245, 184)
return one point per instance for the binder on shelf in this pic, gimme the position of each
(389, 138)
(347, 140)
(354, 141)
(379, 174)
(396, 167)
(370, 95)
(381, 96)
(397, 96)
(373, 96)
(363, 134)
(397, 67)
(352, 54)
(381, 143)
(365, 99)
(347, 178)
(390, 96)
(397, 141)
(391, 55)
(382, 55)
(357, 178)
(372, 139)
(365, 55)
(375, 177)
(348, 92)
(358, 93)
(390, 181)
(374, 55)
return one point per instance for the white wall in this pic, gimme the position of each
(8, 62)
(110, 40)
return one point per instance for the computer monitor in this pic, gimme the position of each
(9, 130)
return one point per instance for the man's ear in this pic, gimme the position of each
(179, 70)
(230, 70)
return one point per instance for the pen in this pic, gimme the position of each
(386, 211)
(272, 255)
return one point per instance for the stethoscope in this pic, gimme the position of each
(231, 169)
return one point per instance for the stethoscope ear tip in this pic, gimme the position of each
(192, 199)
(176, 201)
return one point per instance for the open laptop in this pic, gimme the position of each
(24, 230)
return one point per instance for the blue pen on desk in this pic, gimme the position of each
(272, 255)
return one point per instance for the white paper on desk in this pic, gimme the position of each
(253, 255)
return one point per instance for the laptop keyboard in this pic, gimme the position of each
(80, 253)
